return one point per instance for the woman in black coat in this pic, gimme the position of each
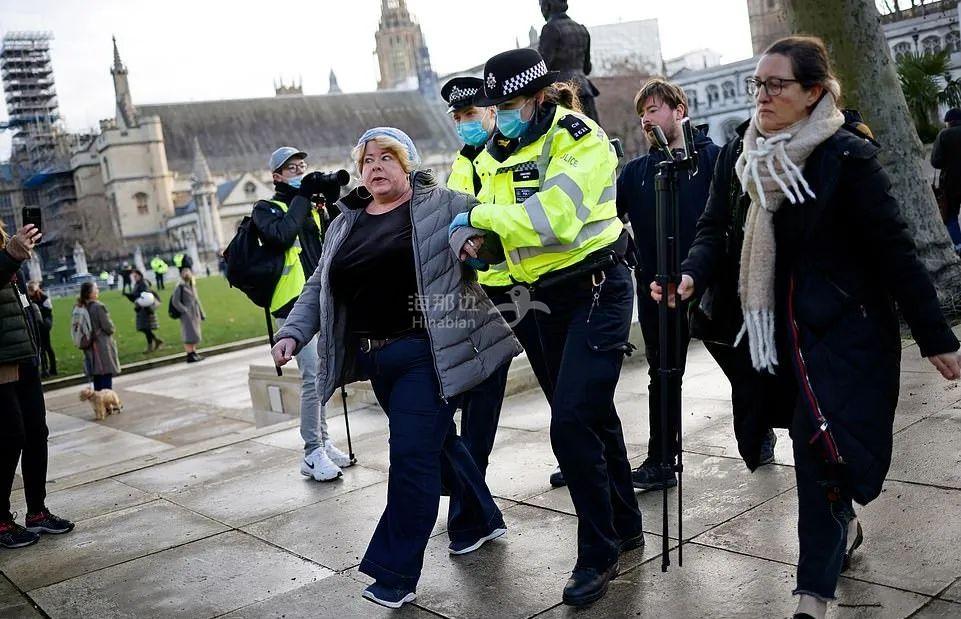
(147, 321)
(801, 274)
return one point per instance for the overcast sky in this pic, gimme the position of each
(197, 50)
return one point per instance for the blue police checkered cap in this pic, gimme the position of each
(391, 132)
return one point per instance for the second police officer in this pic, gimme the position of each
(481, 406)
(547, 199)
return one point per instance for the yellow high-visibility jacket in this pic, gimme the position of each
(552, 201)
(292, 278)
(462, 179)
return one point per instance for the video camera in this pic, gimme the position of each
(326, 184)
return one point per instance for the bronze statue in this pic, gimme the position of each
(566, 47)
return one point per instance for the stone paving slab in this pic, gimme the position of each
(13, 603)
(203, 579)
(715, 490)
(717, 439)
(716, 583)
(517, 575)
(335, 532)
(520, 464)
(954, 592)
(211, 466)
(939, 609)
(924, 394)
(95, 446)
(89, 500)
(104, 541)
(929, 452)
(365, 421)
(911, 536)
(335, 597)
(279, 489)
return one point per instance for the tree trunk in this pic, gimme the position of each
(852, 31)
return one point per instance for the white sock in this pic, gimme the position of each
(810, 605)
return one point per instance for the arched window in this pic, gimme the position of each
(729, 91)
(931, 44)
(713, 95)
(901, 50)
(729, 128)
(952, 41)
(691, 99)
(141, 200)
(250, 188)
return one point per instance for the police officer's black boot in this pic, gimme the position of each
(587, 585)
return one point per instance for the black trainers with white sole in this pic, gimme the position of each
(390, 597)
(45, 522)
(12, 535)
(462, 548)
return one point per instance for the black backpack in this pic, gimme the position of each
(252, 267)
(172, 311)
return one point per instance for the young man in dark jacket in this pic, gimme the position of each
(48, 359)
(663, 104)
(293, 222)
(946, 157)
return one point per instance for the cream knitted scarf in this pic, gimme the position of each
(769, 169)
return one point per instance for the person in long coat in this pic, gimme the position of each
(147, 321)
(804, 252)
(100, 360)
(187, 303)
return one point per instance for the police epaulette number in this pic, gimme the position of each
(575, 126)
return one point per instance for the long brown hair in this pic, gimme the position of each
(86, 291)
(3, 235)
(564, 94)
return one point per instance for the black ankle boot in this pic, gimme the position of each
(588, 584)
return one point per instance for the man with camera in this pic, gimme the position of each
(293, 222)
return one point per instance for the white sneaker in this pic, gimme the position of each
(319, 466)
(339, 458)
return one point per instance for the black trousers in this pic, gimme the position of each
(48, 360)
(24, 420)
(481, 405)
(579, 349)
(648, 317)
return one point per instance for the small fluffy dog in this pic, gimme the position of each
(104, 402)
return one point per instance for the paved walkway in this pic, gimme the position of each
(188, 504)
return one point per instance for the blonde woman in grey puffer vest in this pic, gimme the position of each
(390, 303)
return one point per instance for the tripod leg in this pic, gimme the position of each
(350, 447)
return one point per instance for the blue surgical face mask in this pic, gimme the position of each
(295, 181)
(510, 123)
(472, 133)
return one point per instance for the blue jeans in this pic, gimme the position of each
(313, 416)
(102, 381)
(822, 523)
(424, 449)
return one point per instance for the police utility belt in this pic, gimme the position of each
(589, 272)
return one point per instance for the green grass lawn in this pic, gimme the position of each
(230, 317)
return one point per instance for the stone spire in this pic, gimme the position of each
(201, 171)
(334, 86)
(210, 234)
(126, 113)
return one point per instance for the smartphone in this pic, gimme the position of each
(31, 215)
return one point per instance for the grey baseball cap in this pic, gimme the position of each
(280, 156)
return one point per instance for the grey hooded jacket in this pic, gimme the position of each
(468, 337)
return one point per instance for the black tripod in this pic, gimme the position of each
(670, 354)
